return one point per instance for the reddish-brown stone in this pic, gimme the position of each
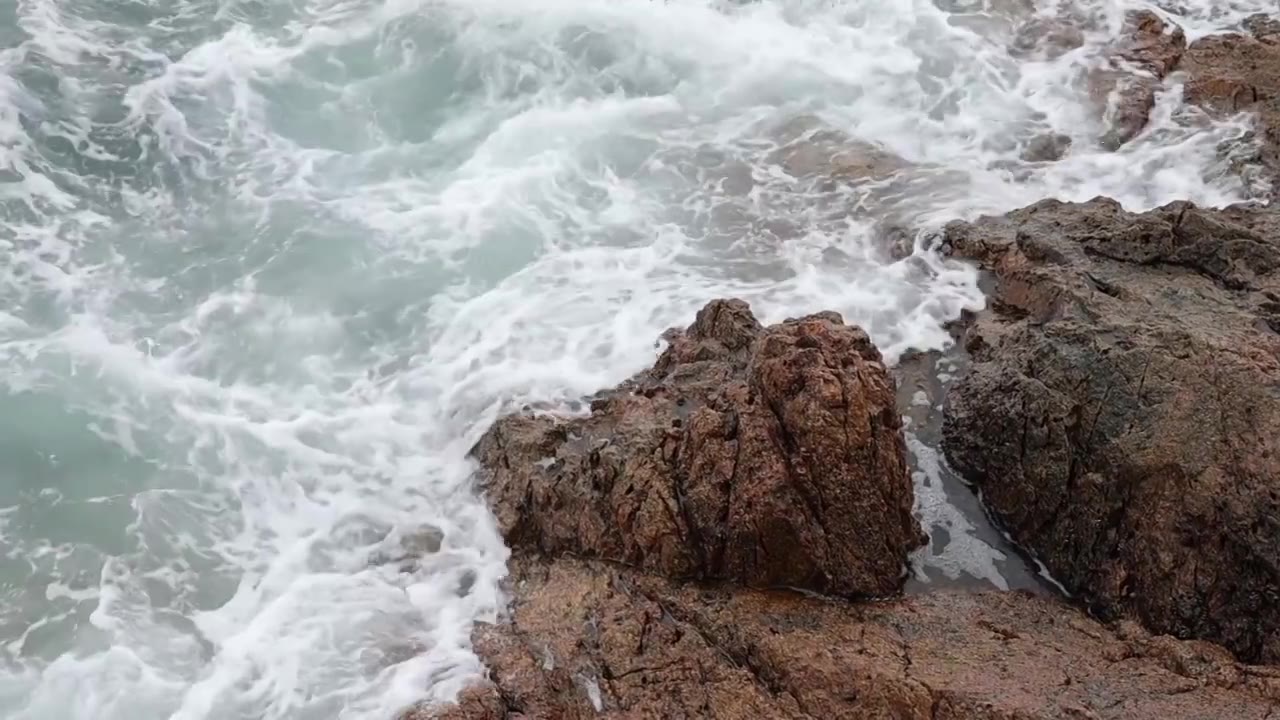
(594, 641)
(768, 456)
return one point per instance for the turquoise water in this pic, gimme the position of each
(268, 269)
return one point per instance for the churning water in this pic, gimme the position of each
(269, 267)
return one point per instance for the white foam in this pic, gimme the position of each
(964, 554)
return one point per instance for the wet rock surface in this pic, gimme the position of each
(1046, 148)
(594, 640)
(1127, 84)
(770, 456)
(1122, 414)
(809, 149)
(618, 611)
(1240, 72)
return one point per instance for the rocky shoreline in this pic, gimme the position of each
(722, 535)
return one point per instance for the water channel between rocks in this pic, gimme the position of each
(966, 549)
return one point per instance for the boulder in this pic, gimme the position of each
(1234, 71)
(1122, 415)
(587, 640)
(767, 456)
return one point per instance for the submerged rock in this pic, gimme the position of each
(1048, 147)
(809, 149)
(767, 456)
(588, 640)
(1122, 415)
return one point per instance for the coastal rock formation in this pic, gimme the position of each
(1126, 86)
(768, 456)
(1225, 74)
(1240, 72)
(590, 640)
(1122, 415)
(628, 596)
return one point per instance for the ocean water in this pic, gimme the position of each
(269, 267)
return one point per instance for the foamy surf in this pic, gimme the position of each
(268, 270)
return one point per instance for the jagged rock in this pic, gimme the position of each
(1122, 415)
(589, 641)
(1240, 72)
(1265, 28)
(768, 456)
(1126, 87)
(635, 638)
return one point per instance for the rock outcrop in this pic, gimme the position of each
(1225, 74)
(768, 456)
(589, 640)
(1122, 415)
(1240, 72)
(1126, 86)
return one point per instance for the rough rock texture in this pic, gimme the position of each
(1127, 86)
(589, 640)
(1122, 416)
(770, 456)
(1240, 72)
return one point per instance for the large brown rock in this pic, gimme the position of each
(635, 638)
(1122, 415)
(769, 456)
(589, 640)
